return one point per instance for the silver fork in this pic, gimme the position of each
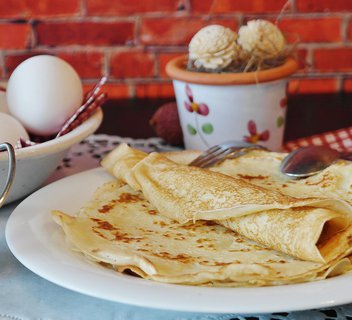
(223, 151)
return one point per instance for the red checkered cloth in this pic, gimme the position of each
(340, 140)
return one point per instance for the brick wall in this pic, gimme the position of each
(131, 40)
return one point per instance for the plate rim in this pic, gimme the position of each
(286, 298)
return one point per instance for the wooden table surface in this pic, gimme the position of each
(306, 115)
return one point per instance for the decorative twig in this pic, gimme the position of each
(91, 104)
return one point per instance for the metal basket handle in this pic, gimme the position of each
(11, 170)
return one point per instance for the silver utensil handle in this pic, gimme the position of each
(11, 170)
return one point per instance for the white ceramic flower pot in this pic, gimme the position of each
(215, 108)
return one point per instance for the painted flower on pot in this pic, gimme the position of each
(280, 121)
(254, 135)
(199, 109)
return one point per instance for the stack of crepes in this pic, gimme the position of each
(240, 224)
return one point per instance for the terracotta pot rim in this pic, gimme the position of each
(176, 69)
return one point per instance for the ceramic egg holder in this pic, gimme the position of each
(94, 99)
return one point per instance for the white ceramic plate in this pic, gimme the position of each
(39, 244)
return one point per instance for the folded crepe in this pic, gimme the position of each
(311, 229)
(121, 229)
(262, 168)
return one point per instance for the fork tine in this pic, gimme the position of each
(206, 155)
(210, 154)
(214, 148)
(217, 158)
(208, 158)
(233, 153)
(220, 152)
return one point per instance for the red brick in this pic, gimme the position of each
(169, 31)
(85, 33)
(154, 90)
(246, 6)
(36, 8)
(14, 35)
(229, 22)
(87, 64)
(164, 58)
(339, 59)
(349, 31)
(323, 5)
(301, 56)
(311, 30)
(176, 31)
(114, 91)
(347, 85)
(132, 64)
(123, 7)
(307, 86)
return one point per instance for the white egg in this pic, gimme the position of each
(11, 130)
(42, 93)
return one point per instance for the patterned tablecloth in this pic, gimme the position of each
(26, 296)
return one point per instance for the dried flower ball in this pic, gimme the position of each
(262, 39)
(213, 47)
